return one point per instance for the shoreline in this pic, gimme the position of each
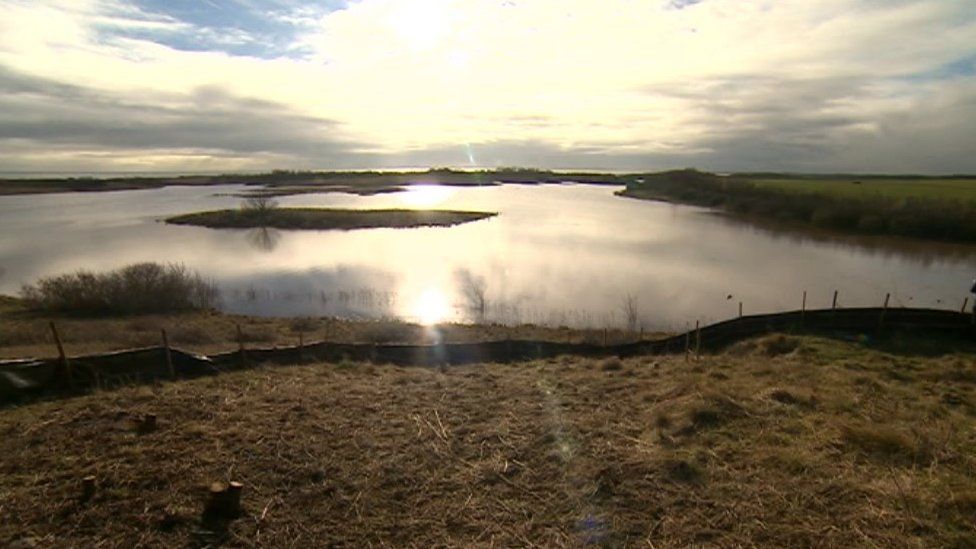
(356, 182)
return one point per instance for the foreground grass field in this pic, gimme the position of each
(782, 441)
(866, 188)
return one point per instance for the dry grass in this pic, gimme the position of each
(831, 445)
(26, 334)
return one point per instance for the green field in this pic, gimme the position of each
(940, 189)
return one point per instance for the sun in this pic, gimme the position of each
(422, 25)
(431, 307)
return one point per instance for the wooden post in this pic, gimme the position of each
(803, 307)
(87, 489)
(965, 302)
(148, 424)
(234, 490)
(65, 366)
(215, 501)
(740, 309)
(169, 356)
(833, 304)
(687, 344)
(697, 340)
(884, 309)
(240, 345)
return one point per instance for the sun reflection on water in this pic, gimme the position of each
(431, 307)
(425, 195)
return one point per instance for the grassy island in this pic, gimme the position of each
(327, 218)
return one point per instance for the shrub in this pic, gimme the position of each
(260, 206)
(135, 289)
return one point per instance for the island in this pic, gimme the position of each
(327, 218)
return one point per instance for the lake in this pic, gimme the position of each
(573, 255)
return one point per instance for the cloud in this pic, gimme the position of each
(50, 117)
(719, 84)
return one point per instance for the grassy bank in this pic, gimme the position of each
(935, 209)
(326, 218)
(25, 333)
(779, 442)
(869, 188)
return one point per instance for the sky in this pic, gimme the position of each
(724, 85)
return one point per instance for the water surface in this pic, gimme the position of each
(557, 254)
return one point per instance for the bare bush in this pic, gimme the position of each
(631, 312)
(473, 288)
(259, 204)
(138, 288)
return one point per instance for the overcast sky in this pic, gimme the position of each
(193, 85)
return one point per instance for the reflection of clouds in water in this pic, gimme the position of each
(264, 239)
(556, 255)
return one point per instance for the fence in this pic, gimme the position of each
(32, 378)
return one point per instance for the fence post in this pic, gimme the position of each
(740, 309)
(687, 344)
(833, 304)
(803, 307)
(883, 311)
(240, 345)
(965, 301)
(697, 340)
(169, 356)
(301, 346)
(64, 365)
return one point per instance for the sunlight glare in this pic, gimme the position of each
(421, 25)
(421, 196)
(431, 307)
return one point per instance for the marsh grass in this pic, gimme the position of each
(25, 333)
(927, 211)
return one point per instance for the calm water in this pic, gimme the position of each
(556, 254)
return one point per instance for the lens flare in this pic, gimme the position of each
(431, 307)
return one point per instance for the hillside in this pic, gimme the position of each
(781, 441)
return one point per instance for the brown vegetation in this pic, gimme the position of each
(828, 445)
(26, 333)
(135, 289)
